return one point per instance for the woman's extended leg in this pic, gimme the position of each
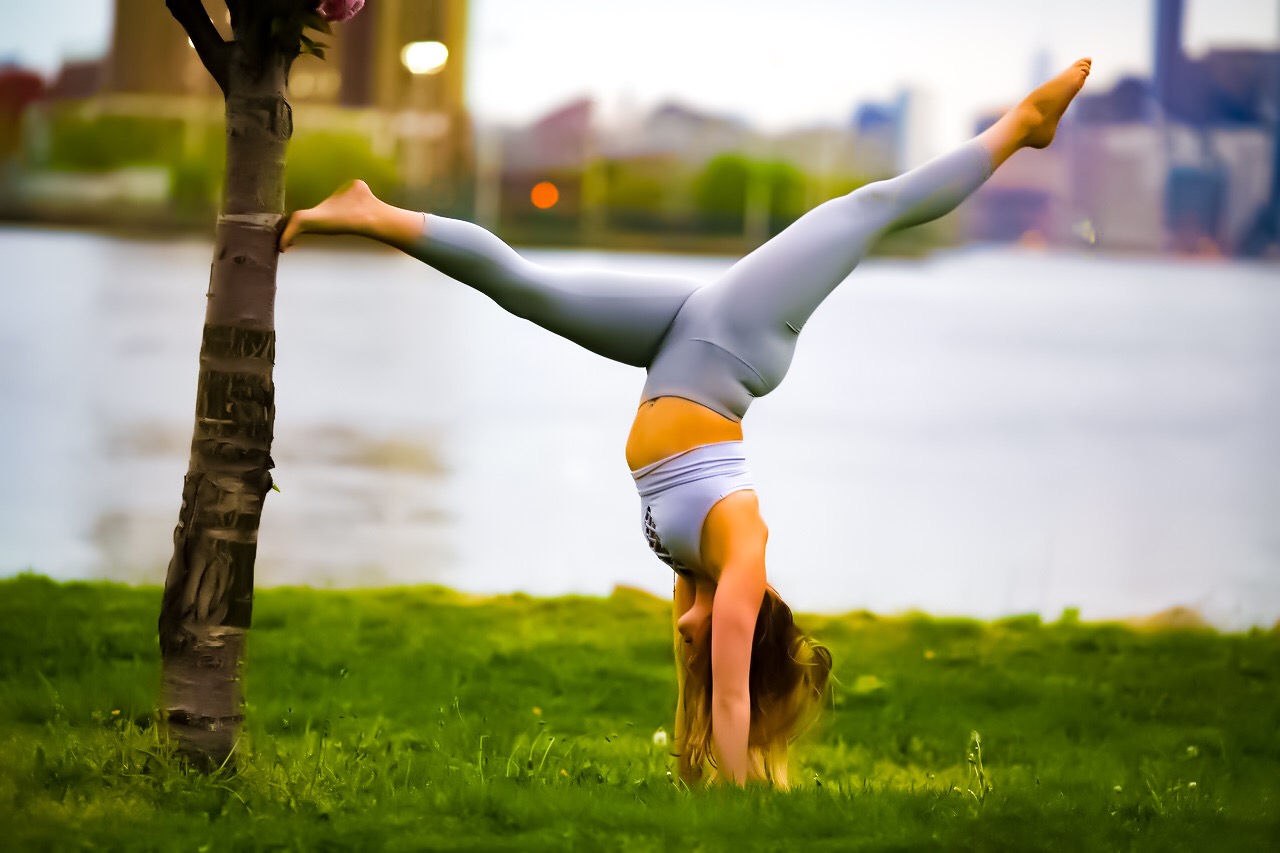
(618, 315)
(782, 282)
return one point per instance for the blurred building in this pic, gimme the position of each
(826, 156)
(1024, 200)
(894, 136)
(150, 54)
(917, 109)
(371, 87)
(77, 80)
(1116, 173)
(824, 152)
(1222, 111)
(363, 65)
(877, 129)
(429, 106)
(18, 88)
(563, 139)
(558, 147)
(572, 135)
(1187, 160)
(692, 135)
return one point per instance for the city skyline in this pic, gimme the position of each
(813, 67)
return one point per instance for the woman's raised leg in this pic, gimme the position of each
(618, 315)
(783, 281)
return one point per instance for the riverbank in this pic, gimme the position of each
(142, 221)
(423, 718)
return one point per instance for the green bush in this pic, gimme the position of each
(786, 194)
(637, 194)
(720, 192)
(320, 162)
(195, 187)
(102, 143)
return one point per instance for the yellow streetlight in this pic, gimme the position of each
(420, 129)
(424, 57)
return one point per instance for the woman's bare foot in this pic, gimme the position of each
(1039, 112)
(352, 209)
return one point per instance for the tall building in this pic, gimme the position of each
(18, 87)
(150, 54)
(878, 129)
(894, 136)
(1188, 160)
(363, 67)
(420, 119)
(916, 109)
(1227, 183)
(1169, 59)
(691, 134)
(563, 139)
(369, 82)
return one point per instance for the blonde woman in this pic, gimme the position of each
(748, 679)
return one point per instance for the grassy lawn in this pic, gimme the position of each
(423, 719)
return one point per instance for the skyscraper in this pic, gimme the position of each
(150, 54)
(412, 113)
(1168, 50)
(363, 68)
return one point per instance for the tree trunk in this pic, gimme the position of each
(208, 595)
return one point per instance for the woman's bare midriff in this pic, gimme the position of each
(670, 425)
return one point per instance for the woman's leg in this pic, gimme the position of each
(620, 316)
(782, 282)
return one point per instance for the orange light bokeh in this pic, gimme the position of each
(544, 194)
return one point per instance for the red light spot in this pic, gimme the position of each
(544, 194)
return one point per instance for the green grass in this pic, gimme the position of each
(423, 719)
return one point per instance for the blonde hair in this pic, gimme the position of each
(789, 676)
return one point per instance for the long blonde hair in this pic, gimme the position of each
(789, 676)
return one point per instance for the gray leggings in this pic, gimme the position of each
(720, 343)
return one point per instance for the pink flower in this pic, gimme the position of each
(340, 10)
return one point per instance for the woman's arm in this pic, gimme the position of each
(733, 623)
(682, 599)
(734, 537)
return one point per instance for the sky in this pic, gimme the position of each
(811, 65)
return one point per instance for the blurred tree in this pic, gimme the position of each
(313, 158)
(104, 142)
(720, 193)
(208, 595)
(786, 196)
(638, 193)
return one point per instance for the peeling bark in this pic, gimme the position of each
(208, 596)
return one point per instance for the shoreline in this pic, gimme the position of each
(164, 225)
(1177, 618)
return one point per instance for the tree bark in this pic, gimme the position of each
(208, 595)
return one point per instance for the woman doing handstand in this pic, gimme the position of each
(748, 679)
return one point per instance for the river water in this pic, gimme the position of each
(986, 432)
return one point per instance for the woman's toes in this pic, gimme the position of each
(291, 230)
